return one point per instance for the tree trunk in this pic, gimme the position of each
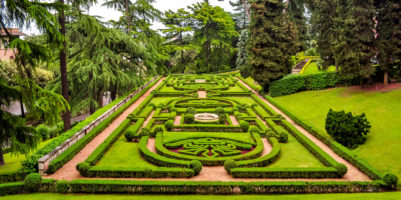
(92, 107)
(385, 78)
(63, 72)
(361, 82)
(287, 3)
(1, 157)
(113, 94)
(246, 9)
(22, 107)
(128, 17)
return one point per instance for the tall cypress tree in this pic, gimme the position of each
(389, 34)
(355, 53)
(296, 15)
(268, 54)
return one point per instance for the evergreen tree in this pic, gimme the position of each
(269, 56)
(296, 14)
(355, 53)
(389, 34)
(214, 30)
(124, 6)
(242, 15)
(242, 55)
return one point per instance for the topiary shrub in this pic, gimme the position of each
(129, 135)
(283, 138)
(219, 110)
(169, 125)
(347, 129)
(158, 129)
(254, 129)
(191, 110)
(229, 164)
(341, 169)
(144, 132)
(189, 118)
(222, 119)
(32, 182)
(244, 125)
(391, 180)
(83, 168)
(196, 165)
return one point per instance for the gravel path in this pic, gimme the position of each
(234, 120)
(353, 174)
(202, 94)
(177, 120)
(68, 171)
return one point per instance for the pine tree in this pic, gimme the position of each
(389, 34)
(242, 15)
(269, 57)
(296, 14)
(355, 53)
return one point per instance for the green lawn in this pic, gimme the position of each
(164, 100)
(313, 69)
(383, 110)
(250, 81)
(294, 154)
(358, 196)
(236, 88)
(124, 154)
(13, 162)
(170, 136)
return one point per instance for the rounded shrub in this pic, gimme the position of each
(159, 129)
(191, 110)
(219, 110)
(341, 169)
(391, 180)
(229, 164)
(83, 168)
(169, 125)
(189, 118)
(196, 165)
(144, 132)
(244, 125)
(254, 129)
(222, 118)
(32, 182)
(129, 135)
(283, 138)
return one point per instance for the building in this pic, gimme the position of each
(6, 54)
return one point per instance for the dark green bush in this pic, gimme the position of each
(229, 164)
(347, 129)
(144, 132)
(341, 169)
(196, 165)
(169, 125)
(189, 118)
(283, 137)
(219, 110)
(129, 135)
(222, 118)
(391, 180)
(191, 110)
(158, 129)
(32, 182)
(244, 125)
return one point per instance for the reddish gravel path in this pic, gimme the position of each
(202, 94)
(177, 120)
(234, 120)
(68, 171)
(353, 174)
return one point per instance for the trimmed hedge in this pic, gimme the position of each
(342, 151)
(213, 161)
(102, 148)
(261, 172)
(195, 187)
(264, 160)
(32, 161)
(132, 131)
(206, 128)
(300, 82)
(137, 172)
(13, 177)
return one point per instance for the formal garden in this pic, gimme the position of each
(203, 99)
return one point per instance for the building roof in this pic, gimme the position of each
(12, 31)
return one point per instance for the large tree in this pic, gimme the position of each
(242, 15)
(389, 34)
(269, 57)
(355, 53)
(214, 30)
(295, 11)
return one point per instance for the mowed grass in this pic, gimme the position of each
(357, 196)
(124, 154)
(13, 162)
(313, 69)
(171, 136)
(383, 110)
(294, 155)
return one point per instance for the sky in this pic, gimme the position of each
(163, 5)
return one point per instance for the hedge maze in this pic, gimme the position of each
(175, 133)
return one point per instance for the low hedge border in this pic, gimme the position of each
(31, 163)
(206, 128)
(261, 172)
(335, 146)
(136, 172)
(222, 188)
(13, 177)
(264, 160)
(108, 142)
(157, 159)
(216, 161)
